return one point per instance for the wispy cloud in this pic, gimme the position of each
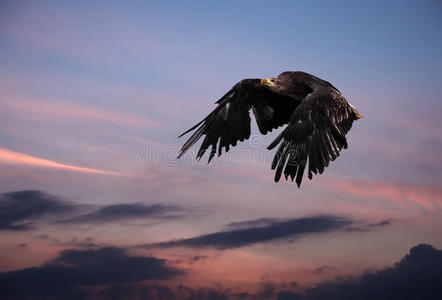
(21, 209)
(17, 158)
(323, 268)
(369, 227)
(426, 197)
(252, 223)
(129, 211)
(261, 232)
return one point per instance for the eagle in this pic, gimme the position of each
(317, 114)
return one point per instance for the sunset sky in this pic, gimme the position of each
(93, 201)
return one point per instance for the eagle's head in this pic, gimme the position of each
(289, 84)
(268, 81)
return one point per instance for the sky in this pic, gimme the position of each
(95, 205)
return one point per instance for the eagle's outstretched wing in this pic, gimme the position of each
(319, 117)
(316, 134)
(229, 122)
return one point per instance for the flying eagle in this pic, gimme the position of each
(318, 119)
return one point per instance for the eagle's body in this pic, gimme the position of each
(318, 119)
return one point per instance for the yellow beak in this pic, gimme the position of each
(267, 81)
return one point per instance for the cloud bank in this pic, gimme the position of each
(416, 276)
(77, 274)
(73, 269)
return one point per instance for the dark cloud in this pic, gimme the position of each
(74, 268)
(19, 210)
(252, 223)
(137, 291)
(272, 231)
(323, 269)
(86, 242)
(370, 227)
(381, 223)
(197, 258)
(120, 212)
(417, 276)
(266, 290)
(157, 292)
(109, 273)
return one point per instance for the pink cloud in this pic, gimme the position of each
(12, 157)
(426, 197)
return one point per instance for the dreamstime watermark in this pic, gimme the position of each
(252, 153)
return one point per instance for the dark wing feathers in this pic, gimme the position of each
(315, 135)
(229, 122)
(317, 114)
(273, 110)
